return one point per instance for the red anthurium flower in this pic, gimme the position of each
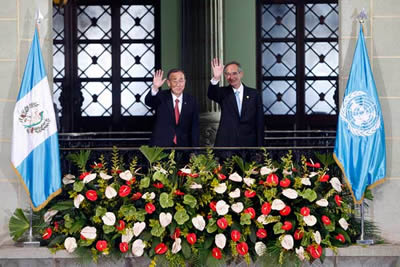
(116, 171)
(150, 208)
(181, 173)
(136, 196)
(287, 226)
(341, 238)
(178, 192)
(216, 253)
(177, 233)
(120, 226)
(96, 165)
(235, 235)
(305, 211)
(161, 248)
(338, 200)
(222, 223)
(250, 211)
(326, 220)
(221, 176)
(47, 233)
(218, 169)
(317, 165)
(124, 190)
(123, 247)
(101, 245)
(315, 251)
(266, 208)
(272, 179)
(294, 169)
(191, 238)
(249, 193)
(83, 175)
(324, 178)
(131, 181)
(213, 205)
(83, 238)
(91, 195)
(285, 211)
(298, 234)
(193, 175)
(209, 216)
(56, 225)
(285, 182)
(242, 248)
(158, 185)
(261, 233)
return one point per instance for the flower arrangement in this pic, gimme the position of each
(202, 212)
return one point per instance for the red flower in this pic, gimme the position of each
(150, 208)
(123, 247)
(294, 169)
(136, 196)
(221, 176)
(131, 181)
(194, 175)
(47, 233)
(101, 245)
(116, 171)
(161, 248)
(124, 190)
(177, 233)
(285, 182)
(340, 237)
(298, 234)
(266, 208)
(120, 226)
(235, 235)
(218, 169)
(315, 251)
(242, 248)
(178, 192)
(216, 253)
(83, 175)
(272, 179)
(222, 223)
(250, 193)
(326, 220)
(96, 165)
(56, 225)
(305, 211)
(158, 185)
(250, 211)
(213, 205)
(285, 211)
(324, 178)
(338, 200)
(83, 238)
(181, 173)
(287, 226)
(191, 238)
(261, 233)
(91, 195)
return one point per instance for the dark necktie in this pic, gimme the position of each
(176, 111)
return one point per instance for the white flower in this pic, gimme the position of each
(260, 248)
(165, 219)
(286, 172)
(235, 177)
(127, 237)
(110, 192)
(221, 188)
(343, 223)
(186, 171)
(138, 248)
(70, 244)
(49, 215)
(278, 204)
(89, 232)
(287, 242)
(317, 237)
(160, 169)
(306, 181)
(237, 207)
(138, 228)
(105, 176)
(195, 186)
(109, 218)
(310, 220)
(300, 253)
(290, 193)
(176, 246)
(336, 184)
(322, 202)
(199, 223)
(220, 240)
(262, 219)
(78, 200)
(312, 174)
(68, 179)
(88, 178)
(235, 193)
(249, 181)
(222, 207)
(149, 196)
(265, 170)
(126, 175)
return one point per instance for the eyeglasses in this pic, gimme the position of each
(177, 81)
(231, 73)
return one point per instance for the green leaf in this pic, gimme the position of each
(153, 154)
(278, 228)
(156, 229)
(68, 221)
(108, 229)
(18, 224)
(100, 211)
(187, 252)
(166, 200)
(190, 200)
(140, 215)
(63, 205)
(159, 176)
(212, 226)
(181, 217)
(128, 212)
(78, 186)
(77, 226)
(144, 183)
(309, 194)
(270, 193)
(80, 159)
(245, 219)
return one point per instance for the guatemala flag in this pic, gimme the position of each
(360, 138)
(35, 153)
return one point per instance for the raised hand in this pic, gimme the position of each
(217, 68)
(158, 80)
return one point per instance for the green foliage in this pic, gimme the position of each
(80, 159)
(18, 224)
(153, 154)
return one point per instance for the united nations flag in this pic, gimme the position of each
(360, 138)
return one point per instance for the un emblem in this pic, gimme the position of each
(361, 114)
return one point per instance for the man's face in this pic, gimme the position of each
(233, 76)
(176, 82)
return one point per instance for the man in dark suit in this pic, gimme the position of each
(177, 115)
(242, 118)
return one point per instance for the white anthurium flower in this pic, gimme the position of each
(260, 248)
(88, 178)
(287, 242)
(265, 170)
(300, 253)
(343, 223)
(286, 172)
(127, 237)
(277, 204)
(235, 193)
(105, 176)
(312, 174)
(235, 177)
(186, 170)
(126, 175)
(165, 219)
(249, 181)
(109, 218)
(70, 244)
(149, 196)
(68, 179)
(138, 248)
(49, 215)
(138, 228)
(220, 240)
(336, 184)
(317, 237)
(89, 232)
(262, 219)
(290, 193)
(196, 186)
(306, 181)
(322, 202)
(78, 200)
(221, 188)
(310, 220)
(176, 246)
(110, 192)
(160, 169)
(199, 223)
(222, 207)
(237, 207)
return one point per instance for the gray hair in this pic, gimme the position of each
(233, 63)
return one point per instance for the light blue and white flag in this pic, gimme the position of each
(35, 152)
(360, 138)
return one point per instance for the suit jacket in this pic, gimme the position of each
(235, 130)
(165, 128)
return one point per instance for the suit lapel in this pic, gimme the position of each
(170, 105)
(245, 101)
(184, 107)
